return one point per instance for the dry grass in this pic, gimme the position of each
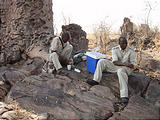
(91, 39)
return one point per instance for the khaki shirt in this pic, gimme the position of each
(57, 45)
(125, 56)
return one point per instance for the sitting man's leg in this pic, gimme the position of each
(67, 51)
(55, 60)
(101, 66)
(123, 83)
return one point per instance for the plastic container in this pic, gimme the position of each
(92, 59)
(69, 67)
(76, 70)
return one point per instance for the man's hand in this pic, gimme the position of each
(118, 63)
(129, 65)
(70, 61)
(62, 58)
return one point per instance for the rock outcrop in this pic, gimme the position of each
(78, 37)
(126, 28)
(69, 97)
(152, 94)
(23, 23)
(138, 108)
(141, 38)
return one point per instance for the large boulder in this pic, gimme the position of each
(152, 94)
(37, 52)
(16, 73)
(141, 38)
(78, 37)
(9, 75)
(4, 87)
(127, 28)
(60, 97)
(23, 23)
(67, 96)
(149, 65)
(137, 82)
(138, 108)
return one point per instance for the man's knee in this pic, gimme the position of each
(53, 55)
(71, 47)
(121, 71)
(100, 62)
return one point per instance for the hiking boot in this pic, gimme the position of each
(92, 82)
(124, 100)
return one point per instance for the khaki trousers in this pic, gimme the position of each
(122, 72)
(54, 58)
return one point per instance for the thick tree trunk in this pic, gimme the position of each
(23, 23)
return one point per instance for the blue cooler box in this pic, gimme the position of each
(92, 59)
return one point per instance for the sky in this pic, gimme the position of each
(88, 13)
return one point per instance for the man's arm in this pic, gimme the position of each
(118, 63)
(54, 45)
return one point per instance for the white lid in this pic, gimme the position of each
(95, 55)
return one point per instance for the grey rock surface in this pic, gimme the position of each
(58, 96)
(153, 94)
(69, 97)
(138, 108)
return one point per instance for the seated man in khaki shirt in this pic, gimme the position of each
(60, 51)
(123, 61)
